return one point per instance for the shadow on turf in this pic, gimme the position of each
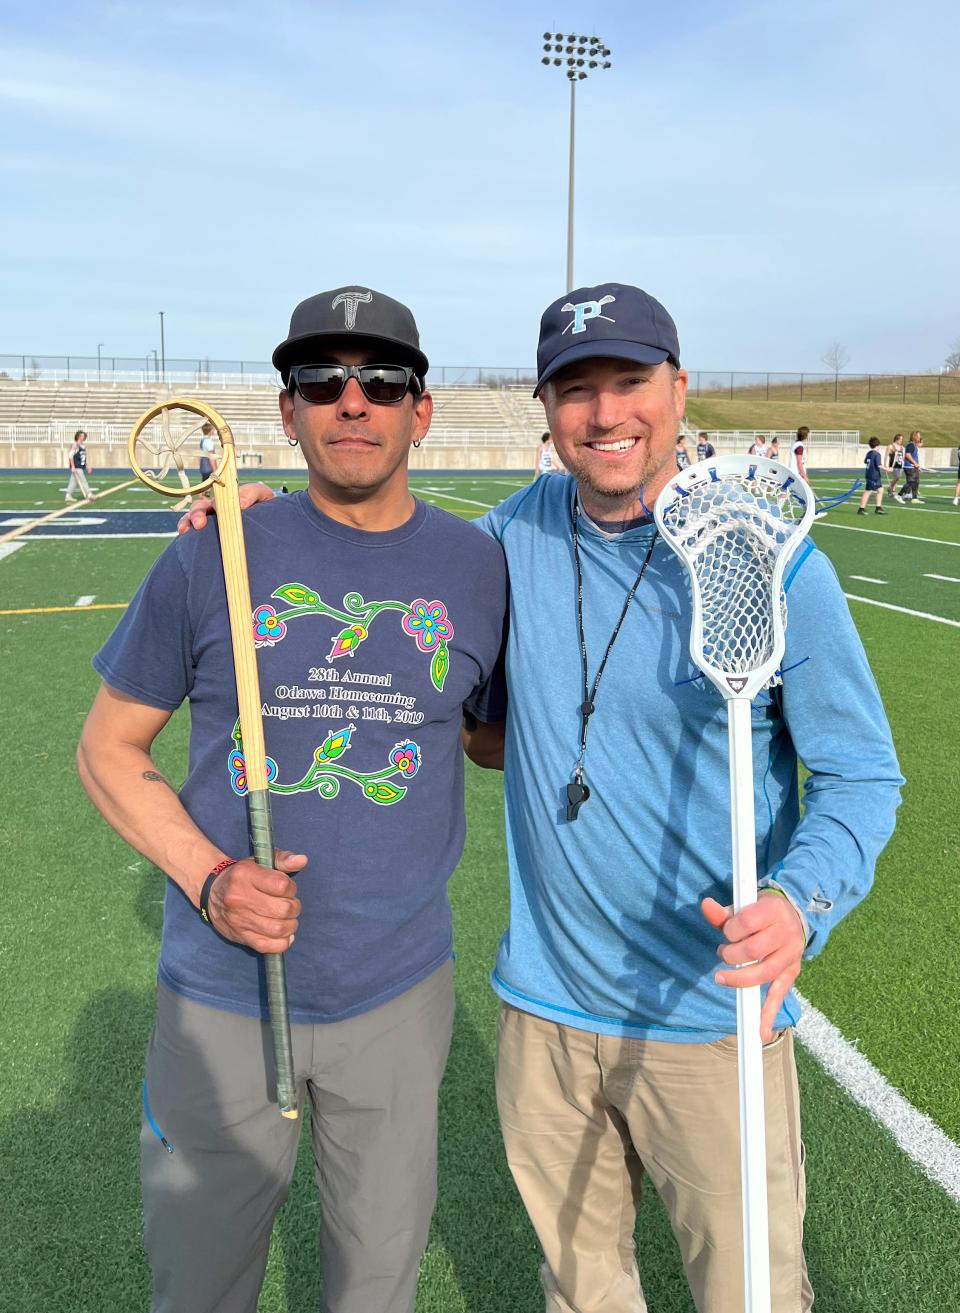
(70, 1214)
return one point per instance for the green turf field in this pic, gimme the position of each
(80, 933)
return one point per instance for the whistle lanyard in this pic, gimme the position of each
(577, 791)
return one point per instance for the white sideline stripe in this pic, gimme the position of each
(947, 578)
(921, 1139)
(8, 549)
(904, 610)
(886, 533)
(865, 579)
(85, 600)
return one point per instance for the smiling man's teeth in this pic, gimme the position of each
(623, 445)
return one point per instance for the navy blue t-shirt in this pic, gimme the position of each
(369, 646)
(873, 462)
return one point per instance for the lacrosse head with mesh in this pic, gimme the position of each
(735, 521)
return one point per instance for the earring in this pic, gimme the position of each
(417, 441)
(293, 442)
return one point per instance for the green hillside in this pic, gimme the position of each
(940, 425)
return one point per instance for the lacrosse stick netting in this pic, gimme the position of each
(735, 521)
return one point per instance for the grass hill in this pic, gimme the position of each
(940, 425)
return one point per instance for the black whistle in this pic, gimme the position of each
(577, 795)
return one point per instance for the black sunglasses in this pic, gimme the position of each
(385, 385)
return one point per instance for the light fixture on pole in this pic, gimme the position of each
(163, 351)
(99, 345)
(578, 56)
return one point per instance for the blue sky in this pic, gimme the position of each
(780, 176)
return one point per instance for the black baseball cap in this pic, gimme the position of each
(613, 319)
(351, 312)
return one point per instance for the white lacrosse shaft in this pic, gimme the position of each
(734, 522)
(753, 1147)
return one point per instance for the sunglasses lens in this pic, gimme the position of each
(320, 384)
(383, 383)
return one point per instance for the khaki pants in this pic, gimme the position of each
(586, 1116)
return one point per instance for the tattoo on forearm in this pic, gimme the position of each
(154, 775)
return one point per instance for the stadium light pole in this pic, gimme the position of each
(99, 346)
(578, 56)
(163, 351)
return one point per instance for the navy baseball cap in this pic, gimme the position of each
(357, 313)
(613, 319)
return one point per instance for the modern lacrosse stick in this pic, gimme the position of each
(157, 446)
(735, 521)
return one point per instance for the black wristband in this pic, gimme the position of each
(208, 885)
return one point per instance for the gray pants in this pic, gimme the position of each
(209, 1205)
(78, 479)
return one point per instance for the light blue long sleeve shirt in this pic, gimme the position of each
(606, 932)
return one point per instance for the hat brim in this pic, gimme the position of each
(295, 350)
(602, 347)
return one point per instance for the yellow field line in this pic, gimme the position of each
(48, 610)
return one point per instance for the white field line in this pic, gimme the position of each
(100, 510)
(17, 521)
(924, 1143)
(865, 579)
(73, 537)
(86, 599)
(487, 506)
(8, 549)
(947, 578)
(904, 610)
(887, 533)
(920, 510)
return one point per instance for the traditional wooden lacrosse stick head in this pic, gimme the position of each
(735, 521)
(158, 441)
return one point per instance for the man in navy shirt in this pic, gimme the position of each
(378, 620)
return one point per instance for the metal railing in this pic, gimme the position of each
(250, 433)
(708, 384)
(743, 439)
(146, 371)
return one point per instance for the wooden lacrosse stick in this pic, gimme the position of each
(226, 500)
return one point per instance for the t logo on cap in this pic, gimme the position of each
(350, 301)
(585, 310)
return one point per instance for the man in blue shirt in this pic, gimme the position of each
(378, 620)
(617, 1047)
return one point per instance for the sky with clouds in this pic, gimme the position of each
(780, 176)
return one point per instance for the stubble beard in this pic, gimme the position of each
(612, 500)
